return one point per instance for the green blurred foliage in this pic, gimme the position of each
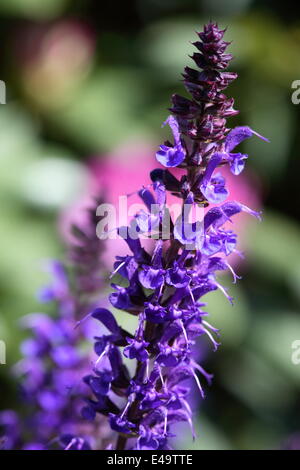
(34, 9)
(86, 92)
(107, 109)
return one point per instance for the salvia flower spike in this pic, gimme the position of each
(165, 289)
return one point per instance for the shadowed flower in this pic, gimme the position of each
(53, 361)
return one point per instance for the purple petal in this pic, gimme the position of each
(136, 350)
(147, 222)
(177, 277)
(120, 299)
(217, 216)
(107, 318)
(238, 135)
(133, 243)
(237, 162)
(151, 278)
(172, 121)
(119, 424)
(147, 198)
(160, 192)
(101, 385)
(214, 161)
(170, 156)
(213, 188)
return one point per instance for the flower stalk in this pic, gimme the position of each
(164, 289)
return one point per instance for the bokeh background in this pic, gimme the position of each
(88, 86)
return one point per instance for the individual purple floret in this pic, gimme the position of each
(165, 289)
(171, 155)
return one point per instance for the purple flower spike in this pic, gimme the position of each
(165, 287)
(53, 358)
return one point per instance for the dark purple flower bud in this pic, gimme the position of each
(166, 178)
(184, 107)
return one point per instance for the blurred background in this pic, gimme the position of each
(88, 85)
